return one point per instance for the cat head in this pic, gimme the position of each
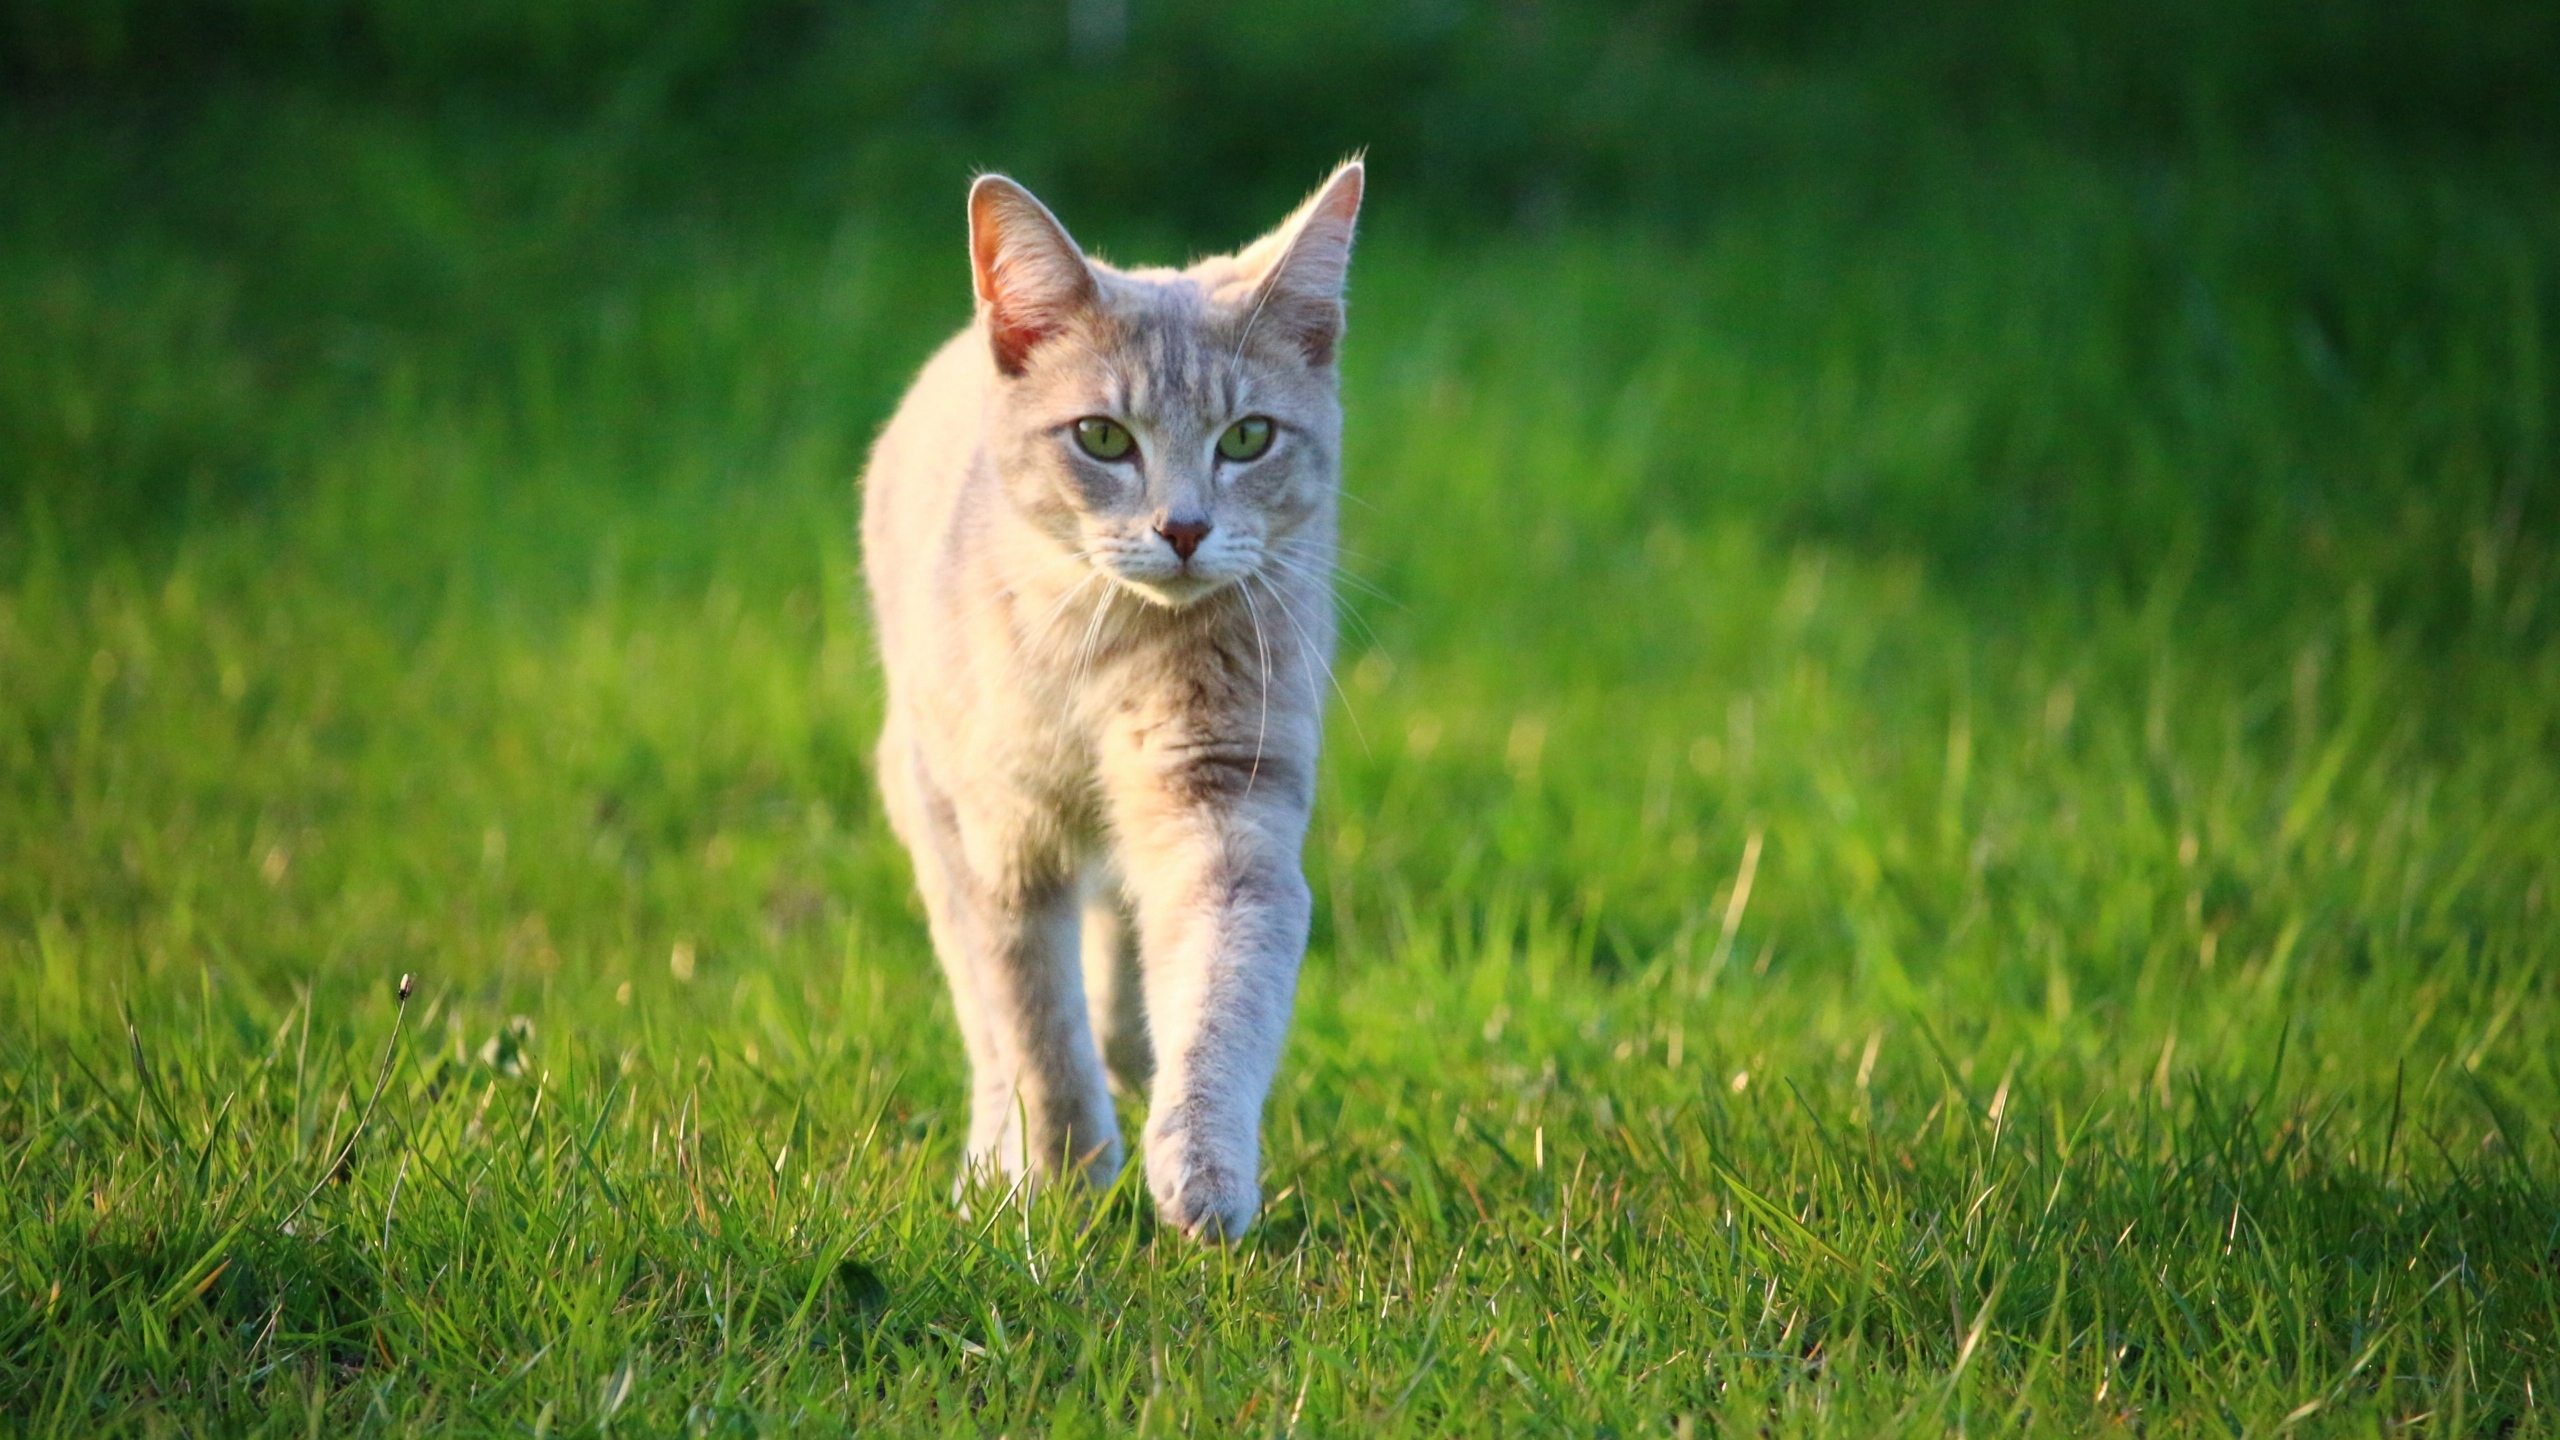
(1177, 430)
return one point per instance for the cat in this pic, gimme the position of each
(1099, 535)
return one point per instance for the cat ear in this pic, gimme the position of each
(1303, 263)
(1031, 278)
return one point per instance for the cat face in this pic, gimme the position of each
(1177, 430)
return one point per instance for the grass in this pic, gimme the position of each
(1943, 817)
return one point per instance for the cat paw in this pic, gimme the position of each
(1205, 1200)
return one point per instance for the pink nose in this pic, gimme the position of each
(1183, 535)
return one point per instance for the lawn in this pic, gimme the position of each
(1943, 812)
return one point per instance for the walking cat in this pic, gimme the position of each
(1099, 534)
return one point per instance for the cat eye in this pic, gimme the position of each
(1104, 439)
(1246, 439)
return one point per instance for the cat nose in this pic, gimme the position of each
(1183, 535)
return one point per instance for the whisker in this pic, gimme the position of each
(1263, 652)
(1040, 632)
(1092, 633)
(1009, 588)
(1369, 588)
(1337, 547)
(1341, 609)
(1306, 644)
(1110, 592)
(1333, 668)
(1310, 552)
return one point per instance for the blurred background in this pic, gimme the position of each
(2261, 205)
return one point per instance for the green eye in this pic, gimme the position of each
(1104, 439)
(1246, 439)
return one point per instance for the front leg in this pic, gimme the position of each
(1210, 849)
(1039, 1106)
(1038, 1103)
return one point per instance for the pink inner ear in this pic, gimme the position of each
(1013, 333)
(1014, 324)
(1311, 318)
(1030, 276)
(1303, 293)
(1317, 325)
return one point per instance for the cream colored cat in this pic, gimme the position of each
(1099, 534)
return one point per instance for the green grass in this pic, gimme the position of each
(1944, 816)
